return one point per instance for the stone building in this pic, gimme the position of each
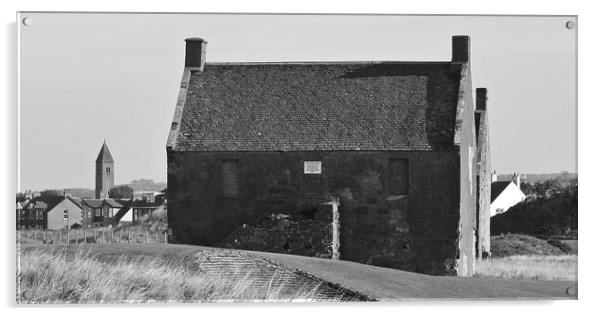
(105, 172)
(49, 212)
(484, 177)
(99, 212)
(396, 148)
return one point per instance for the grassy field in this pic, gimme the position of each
(133, 266)
(531, 267)
(59, 277)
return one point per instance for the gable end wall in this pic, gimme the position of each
(465, 139)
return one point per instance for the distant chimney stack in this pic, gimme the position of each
(493, 177)
(461, 48)
(196, 49)
(516, 179)
(481, 99)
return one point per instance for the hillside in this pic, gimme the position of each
(80, 192)
(549, 216)
(147, 185)
(539, 177)
(516, 244)
(137, 185)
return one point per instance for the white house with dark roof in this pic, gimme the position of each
(505, 194)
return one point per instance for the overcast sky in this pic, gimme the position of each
(89, 77)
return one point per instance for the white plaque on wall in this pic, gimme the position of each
(312, 167)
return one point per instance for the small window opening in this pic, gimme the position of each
(230, 177)
(398, 177)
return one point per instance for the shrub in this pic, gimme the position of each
(516, 244)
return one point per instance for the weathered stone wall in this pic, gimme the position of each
(417, 231)
(484, 180)
(281, 233)
(467, 230)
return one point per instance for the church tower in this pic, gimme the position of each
(105, 172)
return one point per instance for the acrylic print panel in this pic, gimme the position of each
(249, 157)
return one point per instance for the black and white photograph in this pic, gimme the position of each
(282, 158)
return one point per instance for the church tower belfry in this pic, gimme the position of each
(105, 172)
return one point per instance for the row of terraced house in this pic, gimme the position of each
(65, 212)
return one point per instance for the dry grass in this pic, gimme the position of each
(47, 277)
(563, 267)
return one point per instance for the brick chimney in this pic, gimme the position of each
(461, 48)
(481, 99)
(195, 53)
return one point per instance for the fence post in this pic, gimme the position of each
(35, 235)
(165, 235)
(128, 235)
(112, 237)
(103, 236)
(85, 241)
(68, 238)
(147, 236)
(120, 233)
(156, 240)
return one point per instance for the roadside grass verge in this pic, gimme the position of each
(533, 267)
(51, 277)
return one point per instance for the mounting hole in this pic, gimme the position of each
(571, 291)
(27, 21)
(570, 25)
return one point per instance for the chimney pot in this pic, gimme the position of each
(195, 52)
(516, 179)
(461, 48)
(482, 99)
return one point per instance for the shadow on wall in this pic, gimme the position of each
(439, 89)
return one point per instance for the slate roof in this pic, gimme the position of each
(76, 200)
(320, 106)
(113, 203)
(497, 188)
(104, 155)
(35, 203)
(96, 203)
(47, 202)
